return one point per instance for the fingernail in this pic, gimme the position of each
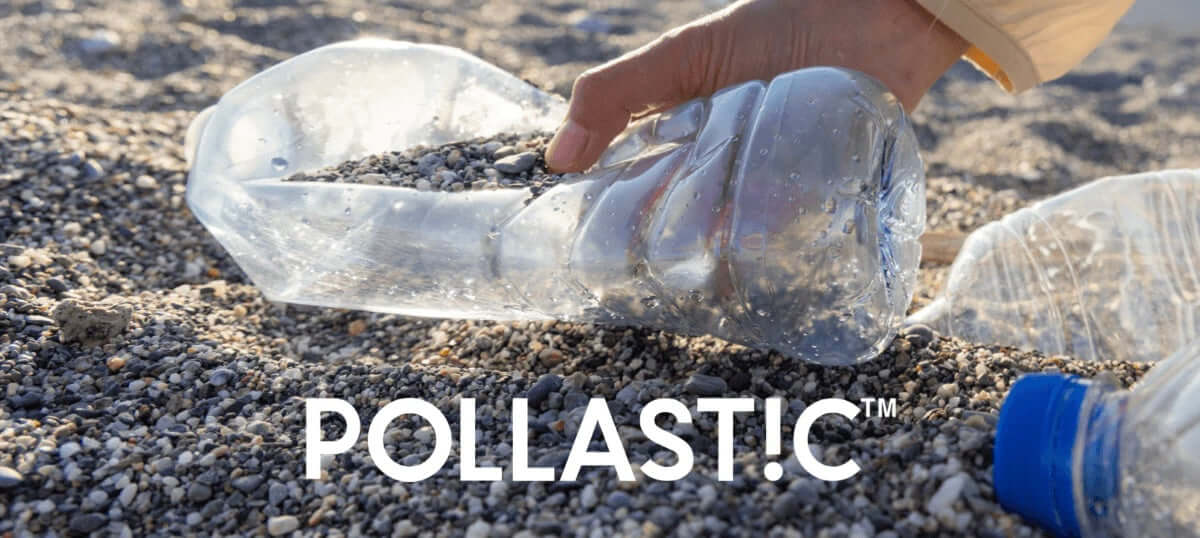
(567, 146)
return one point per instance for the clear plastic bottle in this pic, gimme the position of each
(1107, 271)
(783, 216)
(1082, 458)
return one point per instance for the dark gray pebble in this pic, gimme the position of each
(85, 523)
(705, 385)
(542, 388)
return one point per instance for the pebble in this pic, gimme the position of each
(9, 477)
(919, 335)
(90, 323)
(198, 492)
(247, 484)
(619, 499)
(145, 182)
(277, 493)
(86, 523)
(19, 261)
(947, 390)
(280, 525)
(705, 385)
(221, 376)
(516, 164)
(68, 450)
(479, 529)
(542, 388)
(100, 42)
(943, 500)
(588, 498)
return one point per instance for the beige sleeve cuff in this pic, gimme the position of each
(1022, 43)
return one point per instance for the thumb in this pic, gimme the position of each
(656, 76)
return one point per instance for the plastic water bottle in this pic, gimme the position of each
(781, 216)
(1107, 271)
(1082, 458)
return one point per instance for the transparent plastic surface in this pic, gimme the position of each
(782, 216)
(1107, 271)
(1137, 463)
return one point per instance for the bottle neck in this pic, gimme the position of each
(1097, 460)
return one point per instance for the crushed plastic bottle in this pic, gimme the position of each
(1083, 458)
(781, 216)
(1107, 271)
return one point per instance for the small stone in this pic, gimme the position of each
(277, 493)
(588, 498)
(665, 517)
(516, 164)
(279, 525)
(618, 499)
(943, 500)
(92, 170)
(86, 523)
(9, 477)
(947, 390)
(479, 529)
(198, 492)
(356, 327)
(705, 385)
(247, 484)
(98, 247)
(145, 182)
(57, 284)
(100, 42)
(423, 184)
(20, 261)
(127, 494)
(220, 377)
(542, 388)
(919, 335)
(550, 357)
(115, 364)
(429, 163)
(67, 450)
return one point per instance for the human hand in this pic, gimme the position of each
(895, 41)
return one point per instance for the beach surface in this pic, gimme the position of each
(147, 388)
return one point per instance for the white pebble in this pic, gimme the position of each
(20, 261)
(145, 182)
(99, 247)
(282, 525)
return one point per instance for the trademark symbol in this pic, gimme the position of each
(879, 407)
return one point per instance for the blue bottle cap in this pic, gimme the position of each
(1035, 436)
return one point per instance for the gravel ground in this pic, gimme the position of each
(149, 389)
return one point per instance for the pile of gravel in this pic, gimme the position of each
(504, 161)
